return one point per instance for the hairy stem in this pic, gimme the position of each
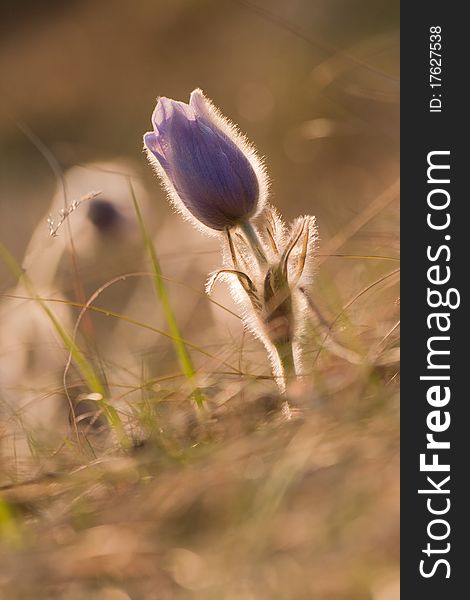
(286, 358)
(254, 241)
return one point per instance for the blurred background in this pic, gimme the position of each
(315, 86)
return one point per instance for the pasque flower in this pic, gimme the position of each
(211, 172)
(214, 177)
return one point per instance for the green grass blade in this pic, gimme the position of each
(162, 294)
(83, 365)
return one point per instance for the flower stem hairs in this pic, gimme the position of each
(215, 179)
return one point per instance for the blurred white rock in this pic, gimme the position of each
(98, 241)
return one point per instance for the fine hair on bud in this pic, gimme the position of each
(212, 174)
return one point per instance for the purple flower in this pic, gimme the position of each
(208, 168)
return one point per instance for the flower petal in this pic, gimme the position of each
(210, 172)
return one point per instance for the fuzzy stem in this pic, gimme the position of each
(254, 241)
(286, 358)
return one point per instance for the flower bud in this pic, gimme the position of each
(210, 171)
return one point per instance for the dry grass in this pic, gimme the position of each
(240, 505)
(232, 502)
